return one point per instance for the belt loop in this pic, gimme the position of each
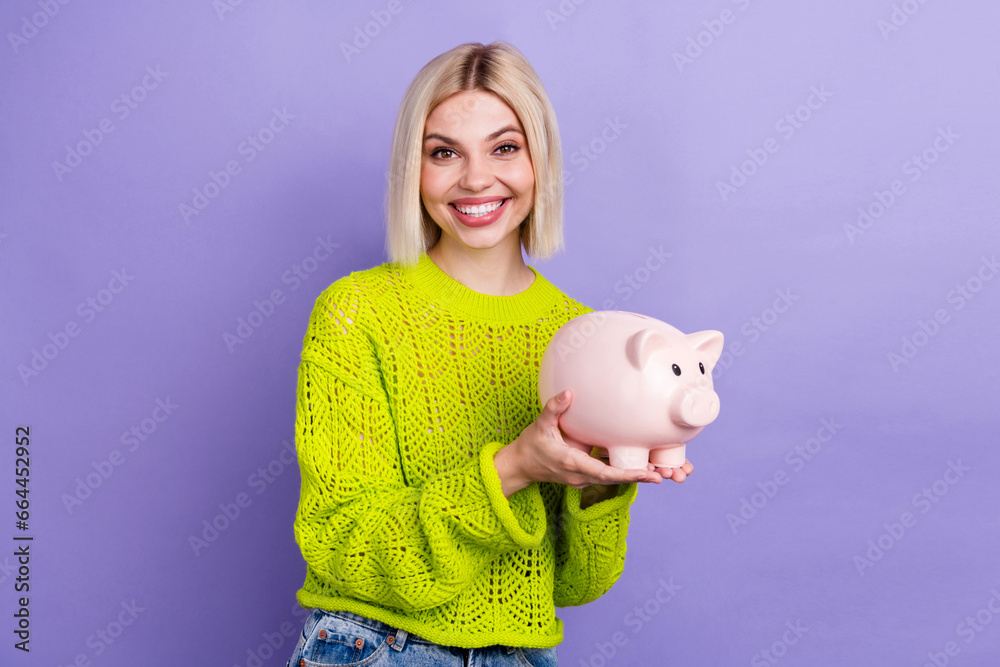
(400, 639)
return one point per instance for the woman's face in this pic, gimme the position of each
(476, 178)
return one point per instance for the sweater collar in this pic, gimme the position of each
(442, 288)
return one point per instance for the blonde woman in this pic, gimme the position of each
(442, 517)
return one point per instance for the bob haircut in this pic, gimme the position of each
(498, 68)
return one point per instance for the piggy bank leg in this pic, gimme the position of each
(629, 457)
(668, 457)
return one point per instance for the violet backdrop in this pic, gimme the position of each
(816, 180)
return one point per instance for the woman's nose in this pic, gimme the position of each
(476, 174)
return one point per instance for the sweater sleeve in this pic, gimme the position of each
(365, 533)
(590, 545)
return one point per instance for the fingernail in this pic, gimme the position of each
(562, 396)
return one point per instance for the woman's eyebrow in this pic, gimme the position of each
(447, 140)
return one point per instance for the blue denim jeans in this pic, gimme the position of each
(340, 638)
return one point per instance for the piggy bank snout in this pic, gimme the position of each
(695, 407)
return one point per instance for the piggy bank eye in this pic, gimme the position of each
(677, 369)
(701, 367)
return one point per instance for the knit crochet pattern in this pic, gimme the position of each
(409, 384)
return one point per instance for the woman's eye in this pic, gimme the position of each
(447, 153)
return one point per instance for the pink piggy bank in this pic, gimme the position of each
(641, 388)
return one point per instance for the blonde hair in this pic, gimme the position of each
(498, 68)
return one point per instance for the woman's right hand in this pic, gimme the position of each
(540, 454)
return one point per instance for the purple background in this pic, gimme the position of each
(660, 135)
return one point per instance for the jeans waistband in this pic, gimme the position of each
(400, 636)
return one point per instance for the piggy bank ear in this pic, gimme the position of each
(708, 343)
(642, 344)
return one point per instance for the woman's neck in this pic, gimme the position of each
(496, 271)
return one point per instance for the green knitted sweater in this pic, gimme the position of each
(409, 384)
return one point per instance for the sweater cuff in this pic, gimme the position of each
(523, 514)
(625, 497)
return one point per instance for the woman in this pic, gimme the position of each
(440, 520)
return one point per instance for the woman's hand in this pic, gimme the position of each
(540, 454)
(676, 474)
(597, 492)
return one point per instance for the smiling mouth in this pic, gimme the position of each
(480, 210)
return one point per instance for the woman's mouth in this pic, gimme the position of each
(480, 215)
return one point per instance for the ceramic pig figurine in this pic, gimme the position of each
(641, 388)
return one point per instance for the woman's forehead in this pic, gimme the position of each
(472, 109)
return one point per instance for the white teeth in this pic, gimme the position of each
(479, 211)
